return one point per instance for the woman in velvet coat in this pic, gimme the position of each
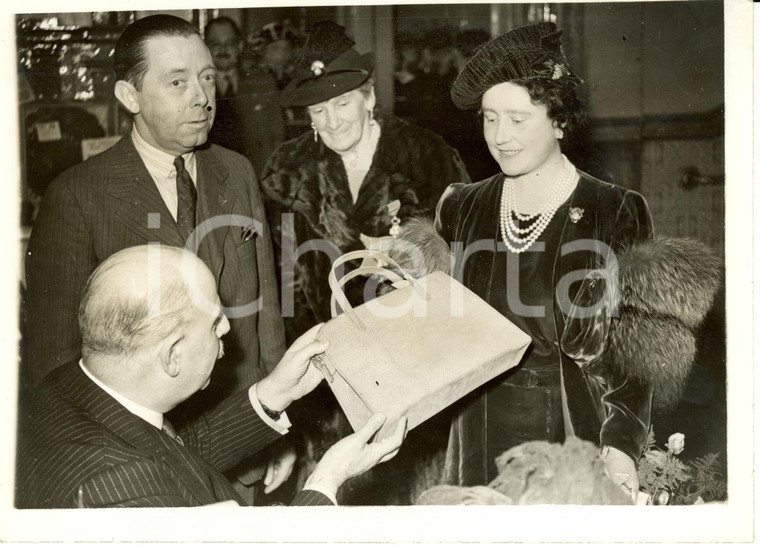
(525, 239)
(348, 184)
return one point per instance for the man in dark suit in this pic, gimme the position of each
(132, 194)
(151, 325)
(249, 118)
(160, 183)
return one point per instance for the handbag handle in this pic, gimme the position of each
(336, 286)
(344, 303)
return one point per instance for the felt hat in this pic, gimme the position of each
(529, 52)
(327, 66)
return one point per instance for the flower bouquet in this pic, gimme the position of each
(665, 479)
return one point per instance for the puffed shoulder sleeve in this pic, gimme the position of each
(587, 324)
(446, 212)
(633, 222)
(627, 401)
(443, 167)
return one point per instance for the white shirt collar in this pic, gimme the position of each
(151, 416)
(160, 164)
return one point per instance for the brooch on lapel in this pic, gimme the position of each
(393, 208)
(248, 233)
(576, 213)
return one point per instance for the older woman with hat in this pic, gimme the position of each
(354, 177)
(539, 225)
(349, 183)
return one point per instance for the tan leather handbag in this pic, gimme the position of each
(412, 351)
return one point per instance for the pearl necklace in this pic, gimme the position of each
(523, 238)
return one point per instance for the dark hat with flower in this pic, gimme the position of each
(529, 52)
(327, 66)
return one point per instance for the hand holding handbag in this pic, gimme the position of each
(412, 351)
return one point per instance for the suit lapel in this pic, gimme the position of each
(131, 184)
(138, 433)
(216, 199)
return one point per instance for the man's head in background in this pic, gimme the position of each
(225, 42)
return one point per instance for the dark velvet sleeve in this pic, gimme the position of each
(627, 402)
(633, 221)
(443, 167)
(446, 212)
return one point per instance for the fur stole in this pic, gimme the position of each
(665, 288)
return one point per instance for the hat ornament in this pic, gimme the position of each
(327, 66)
(556, 69)
(317, 68)
(552, 68)
(556, 66)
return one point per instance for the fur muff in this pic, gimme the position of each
(674, 277)
(666, 288)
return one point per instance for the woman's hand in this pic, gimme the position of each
(622, 470)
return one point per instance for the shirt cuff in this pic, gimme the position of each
(324, 490)
(281, 425)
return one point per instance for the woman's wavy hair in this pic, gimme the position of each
(561, 99)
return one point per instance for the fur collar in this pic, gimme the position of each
(309, 178)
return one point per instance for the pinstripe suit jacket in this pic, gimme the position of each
(77, 436)
(110, 202)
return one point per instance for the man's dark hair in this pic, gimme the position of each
(223, 21)
(129, 59)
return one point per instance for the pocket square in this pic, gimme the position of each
(248, 233)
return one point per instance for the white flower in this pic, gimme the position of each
(676, 443)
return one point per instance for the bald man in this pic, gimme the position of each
(152, 326)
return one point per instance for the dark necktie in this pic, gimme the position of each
(186, 199)
(170, 431)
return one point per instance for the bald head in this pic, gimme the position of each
(140, 295)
